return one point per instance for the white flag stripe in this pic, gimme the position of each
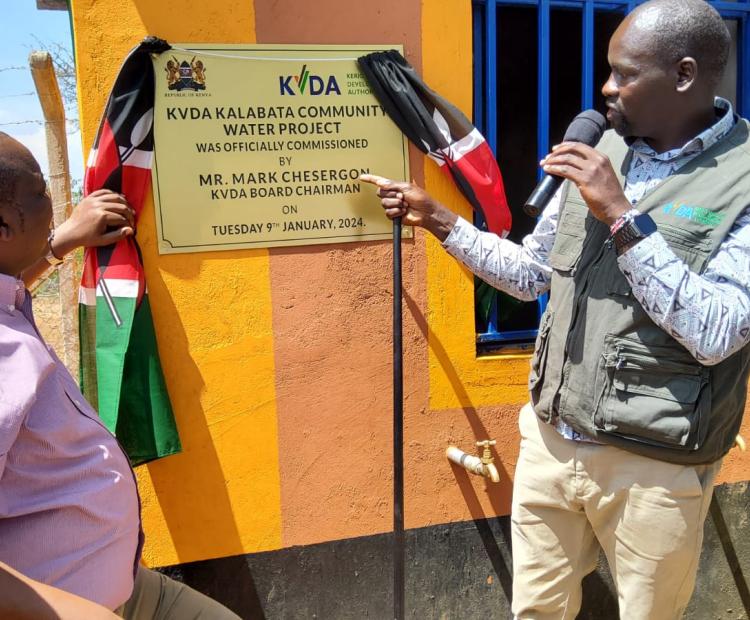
(439, 160)
(458, 149)
(442, 125)
(138, 158)
(87, 296)
(117, 288)
(120, 288)
(463, 146)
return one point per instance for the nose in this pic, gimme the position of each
(609, 89)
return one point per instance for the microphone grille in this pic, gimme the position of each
(587, 128)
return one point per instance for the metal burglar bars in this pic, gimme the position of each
(505, 88)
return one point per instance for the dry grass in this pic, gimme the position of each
(47, 309)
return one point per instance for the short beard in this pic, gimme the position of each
(622, 127)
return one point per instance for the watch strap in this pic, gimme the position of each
(640, 227)
(52, 258)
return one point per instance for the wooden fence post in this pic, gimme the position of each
(47, 89)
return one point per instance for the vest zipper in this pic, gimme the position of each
(607, 244)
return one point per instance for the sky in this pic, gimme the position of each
(22, 27)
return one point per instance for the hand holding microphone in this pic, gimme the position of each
(576, 160)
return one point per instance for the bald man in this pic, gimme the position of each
(639, 377)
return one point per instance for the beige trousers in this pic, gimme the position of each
(571, 497)
(157, 597)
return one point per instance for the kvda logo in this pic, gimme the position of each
(305, 81)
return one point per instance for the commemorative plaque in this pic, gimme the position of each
(262, 145)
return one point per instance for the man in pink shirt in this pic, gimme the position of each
(69, 506)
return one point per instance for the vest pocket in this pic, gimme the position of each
(539, 359)
(685, 239)
(652, 394)
(571, 230)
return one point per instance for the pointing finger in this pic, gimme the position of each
(375, 180)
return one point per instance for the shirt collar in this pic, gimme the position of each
(12, 293)
(699, 143)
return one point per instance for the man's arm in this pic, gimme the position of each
(709, 313)
(519, 270)
(102, 218)
(22, 598)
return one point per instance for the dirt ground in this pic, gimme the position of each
(47, 314)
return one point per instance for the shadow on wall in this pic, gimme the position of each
(500, 500)
(191, 486)
(498, 494)
(599, 597)
(192, 520)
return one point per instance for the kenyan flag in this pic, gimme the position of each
(442, 131)
(121, 375)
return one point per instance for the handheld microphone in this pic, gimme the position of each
(586, 128)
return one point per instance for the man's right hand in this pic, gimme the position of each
(101, 218)
(413, 205)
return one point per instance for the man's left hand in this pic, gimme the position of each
(593, 175)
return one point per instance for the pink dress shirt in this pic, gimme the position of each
(69, 507)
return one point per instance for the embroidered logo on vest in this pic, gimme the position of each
(701, 215)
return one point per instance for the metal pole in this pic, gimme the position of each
(398, 432)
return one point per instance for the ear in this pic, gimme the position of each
(687, 73)
(6, 230)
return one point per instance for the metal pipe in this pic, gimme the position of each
(398, 431)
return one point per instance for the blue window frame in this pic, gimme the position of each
(528, 85)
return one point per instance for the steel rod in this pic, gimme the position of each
(398, 431)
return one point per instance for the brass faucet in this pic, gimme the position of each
(488, 461)
(482, 466)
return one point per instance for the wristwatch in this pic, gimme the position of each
(640, 227)
(52, 258)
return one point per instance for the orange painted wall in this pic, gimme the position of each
(279, 362)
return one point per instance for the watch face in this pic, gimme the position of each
(645, 224)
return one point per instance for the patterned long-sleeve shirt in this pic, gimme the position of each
(708, 313)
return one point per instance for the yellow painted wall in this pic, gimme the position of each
(457, 377)
(212, 314)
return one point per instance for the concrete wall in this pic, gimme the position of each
(278, 362)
